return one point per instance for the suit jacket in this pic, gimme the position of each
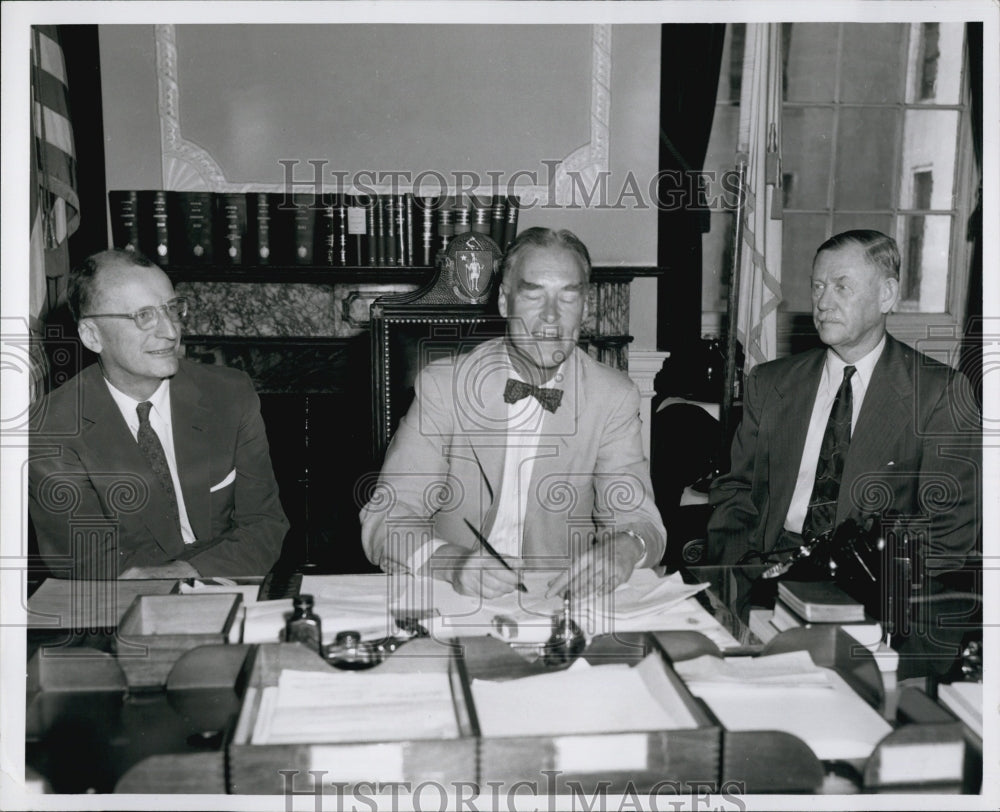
(97, 507)
(914, 455)
(444, 465)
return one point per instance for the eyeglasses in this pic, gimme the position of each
(145, 318)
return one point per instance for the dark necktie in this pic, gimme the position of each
(822, 512)
(549, 398)
(152, 450)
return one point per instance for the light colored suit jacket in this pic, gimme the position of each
(444, 465)
(914, 453)
(98, 509)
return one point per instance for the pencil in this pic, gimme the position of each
(490, 549)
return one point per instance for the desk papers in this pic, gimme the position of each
(826, 714)
(310, 707)
(582, 699)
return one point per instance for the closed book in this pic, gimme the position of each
(259, 206)
(481, 210)
(231, 227)
(446, 223)
(408, 230)
(340, 203)
(124, 205)
(372, 220)
(820, 601)
(867, 631)
(305, 228)
(497, 215)
(426, 206)
(154, 232)
(328, 232)
(389, 226)
(191, 234)
(357, 230)
(460, 213)
(510, 228)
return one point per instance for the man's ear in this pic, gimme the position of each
(502, 301)
(90, 336)
(888, 294)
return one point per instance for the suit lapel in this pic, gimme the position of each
(190, 418)
(796, 393)
(885, 411)
(115, 451)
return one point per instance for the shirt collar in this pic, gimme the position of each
(865, 366)
(552, 382)
(127, 404)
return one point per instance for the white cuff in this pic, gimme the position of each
(422, 555)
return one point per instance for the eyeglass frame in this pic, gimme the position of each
(179, 301)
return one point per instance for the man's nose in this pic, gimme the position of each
(165, 326)
(823, 302)
(550, 312)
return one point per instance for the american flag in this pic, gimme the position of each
(54, 203)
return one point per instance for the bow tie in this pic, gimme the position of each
(549, 398)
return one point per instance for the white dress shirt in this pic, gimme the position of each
(829, 382)
(160, 421)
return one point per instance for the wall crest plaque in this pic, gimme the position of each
(471, 266)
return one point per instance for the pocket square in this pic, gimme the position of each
(229, 480)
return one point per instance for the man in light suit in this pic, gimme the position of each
(914, 442)
(526, 443)
(146, 465)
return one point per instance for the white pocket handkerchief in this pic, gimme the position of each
(229, 480)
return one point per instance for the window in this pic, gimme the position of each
(875, 134)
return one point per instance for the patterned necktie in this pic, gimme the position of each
(822, 512)
(152, 450)
(549, 398)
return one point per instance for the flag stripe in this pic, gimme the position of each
(57, 129)
(50, 56)
(51, 92)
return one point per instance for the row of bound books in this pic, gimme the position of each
(274, 228)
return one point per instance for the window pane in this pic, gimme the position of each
(811, 62)
(930, 139)
(802, 234)
(716, 261)
(934, 63)
(806, 141)
(731, 70)
(871, 63)
(866, 158)
(849, 222)
(924, 243)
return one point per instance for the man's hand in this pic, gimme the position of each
(175, 569)
(602, 567)
(472, 572)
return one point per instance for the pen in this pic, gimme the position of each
(489, 548)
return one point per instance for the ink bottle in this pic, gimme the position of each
(304, 626)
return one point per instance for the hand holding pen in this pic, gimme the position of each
(495, 582)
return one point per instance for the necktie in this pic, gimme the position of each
(152, 450)
(822, 511)
(549, 398)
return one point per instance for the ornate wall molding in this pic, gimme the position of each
(189, 167)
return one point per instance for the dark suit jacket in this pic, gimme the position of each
(915, 454)
(98, 508)
(445, 463)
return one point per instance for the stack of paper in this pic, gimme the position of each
(317, 707)
(786, 694)
(582, 699)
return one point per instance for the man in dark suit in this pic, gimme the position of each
(910, 453)
(146, 465)
(535, 446)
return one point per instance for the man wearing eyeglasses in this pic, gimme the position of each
(146, 465)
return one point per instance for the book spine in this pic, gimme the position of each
(262, 227)
(497, 220)
(371, 219)
(234, 226)
(161, 231)
(380, 229)
(124, 207)
(408, 202)
(400, 230)
(341, 220)
(446, 224)
(305, 229)
(480, 216)
(510, 230)
(357, 242)
(389, 217)
(327, 231)
(460, 212)
(427, 230)
(190, 216)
